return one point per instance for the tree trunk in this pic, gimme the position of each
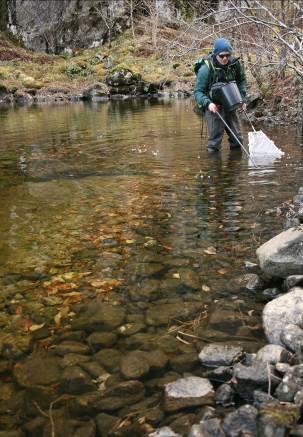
(3, 15)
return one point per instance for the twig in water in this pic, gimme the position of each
(182, 341)
(43, 413)
(49, 415)
(190, 335)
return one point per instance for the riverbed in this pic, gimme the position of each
(118, 204)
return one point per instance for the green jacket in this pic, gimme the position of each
(208, 74)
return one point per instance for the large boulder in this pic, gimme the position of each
(97, 92)
(282, 256)
(281, 312)
(123, 81)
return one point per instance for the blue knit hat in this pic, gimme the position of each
(222, 45)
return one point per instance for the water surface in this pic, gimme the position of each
(124, 193)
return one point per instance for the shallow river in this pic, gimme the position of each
(120, 201)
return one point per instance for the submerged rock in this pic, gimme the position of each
(98, 315)
(106, 423)
(97, 340)
(109, 358)
(184, 362)
(134, 365)
(120, 395)
(71, 427)
(14, 346)
(93, 368)
(15, 433)
(35, 426)
(215, 355)
(67, 347)
(40, 368)
(188, 392)
(74, 359)
(162, 314)
(75, 380)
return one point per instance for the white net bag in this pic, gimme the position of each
(260, 145)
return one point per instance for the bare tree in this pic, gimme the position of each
(282, 24)
(268, 32)
(151, 8)
(108, 11)
(3, 12)
(133, 5)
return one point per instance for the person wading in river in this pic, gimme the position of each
(219, 66)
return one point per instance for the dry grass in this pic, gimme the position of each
(168, 55)
(154, 63)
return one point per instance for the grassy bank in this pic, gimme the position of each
(21, 68)
(166, 58)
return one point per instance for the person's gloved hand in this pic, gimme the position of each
(244, 107)
(212, 107)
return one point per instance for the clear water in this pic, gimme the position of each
(124, 193)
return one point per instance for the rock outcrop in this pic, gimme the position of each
(54, 26)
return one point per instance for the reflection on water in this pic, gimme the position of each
(120, 201)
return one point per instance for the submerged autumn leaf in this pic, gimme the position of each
(211, 250)
(105, 285)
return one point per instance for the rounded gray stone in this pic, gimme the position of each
(187, 392)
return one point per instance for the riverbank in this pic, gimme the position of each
(128, 69)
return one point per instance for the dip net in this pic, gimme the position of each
(260, 145)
